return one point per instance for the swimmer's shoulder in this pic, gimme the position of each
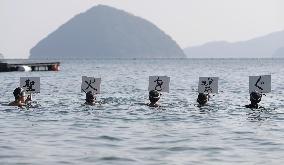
(13, 103)
(94, 103)
(153, 105)
(254, 107)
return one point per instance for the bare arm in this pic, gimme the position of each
(29, 98)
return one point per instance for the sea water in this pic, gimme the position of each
(59, 129)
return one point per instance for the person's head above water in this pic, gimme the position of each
(20, 98)
(154, 96)
(202, 98)
(255, 97)
(19, 93)
(90, 97)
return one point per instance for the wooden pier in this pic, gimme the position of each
(28, 65)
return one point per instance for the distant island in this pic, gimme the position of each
(1, 56)
(268, 46)
(106, 32)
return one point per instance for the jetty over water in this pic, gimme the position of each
(28, 65)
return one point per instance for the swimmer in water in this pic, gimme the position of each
(255, 98)
(20, 99)
(90, 98)
(154, 97)
(202, 99)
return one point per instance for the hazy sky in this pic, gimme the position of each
(23, 23)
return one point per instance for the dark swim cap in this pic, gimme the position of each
(18, 92)
(202, 98)
(90, 96)
(154, 94)
(255, 96)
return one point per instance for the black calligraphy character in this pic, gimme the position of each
(90, 85)
(29, 85)
(159, 84)
(208, 89)
(256, 84)
(207, 86)
(210, 80)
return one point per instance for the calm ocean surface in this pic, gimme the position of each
(60, 130)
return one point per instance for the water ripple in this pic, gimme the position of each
(60, 129)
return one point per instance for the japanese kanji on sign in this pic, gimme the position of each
(208, 85)
(30, 84)
(91, 84)
(260, 84)
(159, 83)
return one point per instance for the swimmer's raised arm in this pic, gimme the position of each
(29, 98)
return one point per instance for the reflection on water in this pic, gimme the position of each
(60, 129)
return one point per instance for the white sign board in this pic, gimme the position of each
(260, 84)
(208, 85)
(91, 84)
(30, 84)
(159, 83)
